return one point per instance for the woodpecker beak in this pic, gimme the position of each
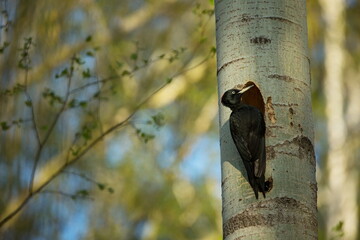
(245, 89)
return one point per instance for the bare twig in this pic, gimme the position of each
(25, 63)
(99, 81)
(99, 103)
(52, 126)
(68, 195)
(83, 176)
(78, 89)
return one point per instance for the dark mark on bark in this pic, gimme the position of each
(299, 90)
(306, 147)
(291, 110)
(285, 78)
(282, 77)
(285, 104)
(260, 40)
(281, 19)
(275, 126)
(288, 153)
(226, 64)
(269, 130)
(284, 210)
(300, 128)
(224, 181)
(270, 153)
(246, 18)
(303, 144)
(238, 238)
(270, 110)
(314, 188)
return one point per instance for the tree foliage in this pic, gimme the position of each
(102, 107)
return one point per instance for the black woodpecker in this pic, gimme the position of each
(247, 127)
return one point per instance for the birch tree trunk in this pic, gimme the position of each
(342, 191)
(265, 42)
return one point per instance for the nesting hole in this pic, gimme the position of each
(253, 96)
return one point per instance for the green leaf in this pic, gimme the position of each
(338, 230)
(51, 96)
(213, 50)
(72, 103)
(83, 104)
(101, 186)
(78, 60)
(28, 103)
(158, 119)
(74, 151)
(86, 73)
(146, 137)
(82, 193)
(86, 134)
(208, 12)
(4, 126)
(119, 64)
(89, 54)
(338, 227)
(202, 40)
(63, 73)
(88, 38)
(4, 46)
(125, 72)
(134, 56)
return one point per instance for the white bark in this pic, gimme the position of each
(266, 42)
(342, 192)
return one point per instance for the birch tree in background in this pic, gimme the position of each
(342, 181)
(265, 42)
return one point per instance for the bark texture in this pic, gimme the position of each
(265, 42)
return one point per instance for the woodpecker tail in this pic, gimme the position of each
(259, 186)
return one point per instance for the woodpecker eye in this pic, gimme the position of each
(233, 92)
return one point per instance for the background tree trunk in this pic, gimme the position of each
(342, 180)
(266, 42)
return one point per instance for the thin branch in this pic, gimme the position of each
(83, 176)
(52, 126)
(97, 82)
(26, 65)
(31, 106)
(16, 210)
(78, 89)
(99, 104)
(68, 195)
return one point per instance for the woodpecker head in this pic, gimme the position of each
(232, 97)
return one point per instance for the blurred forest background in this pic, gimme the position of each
(123, 95)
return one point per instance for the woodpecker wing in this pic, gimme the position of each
(256, 141)
(247, 129)
(238, 126)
